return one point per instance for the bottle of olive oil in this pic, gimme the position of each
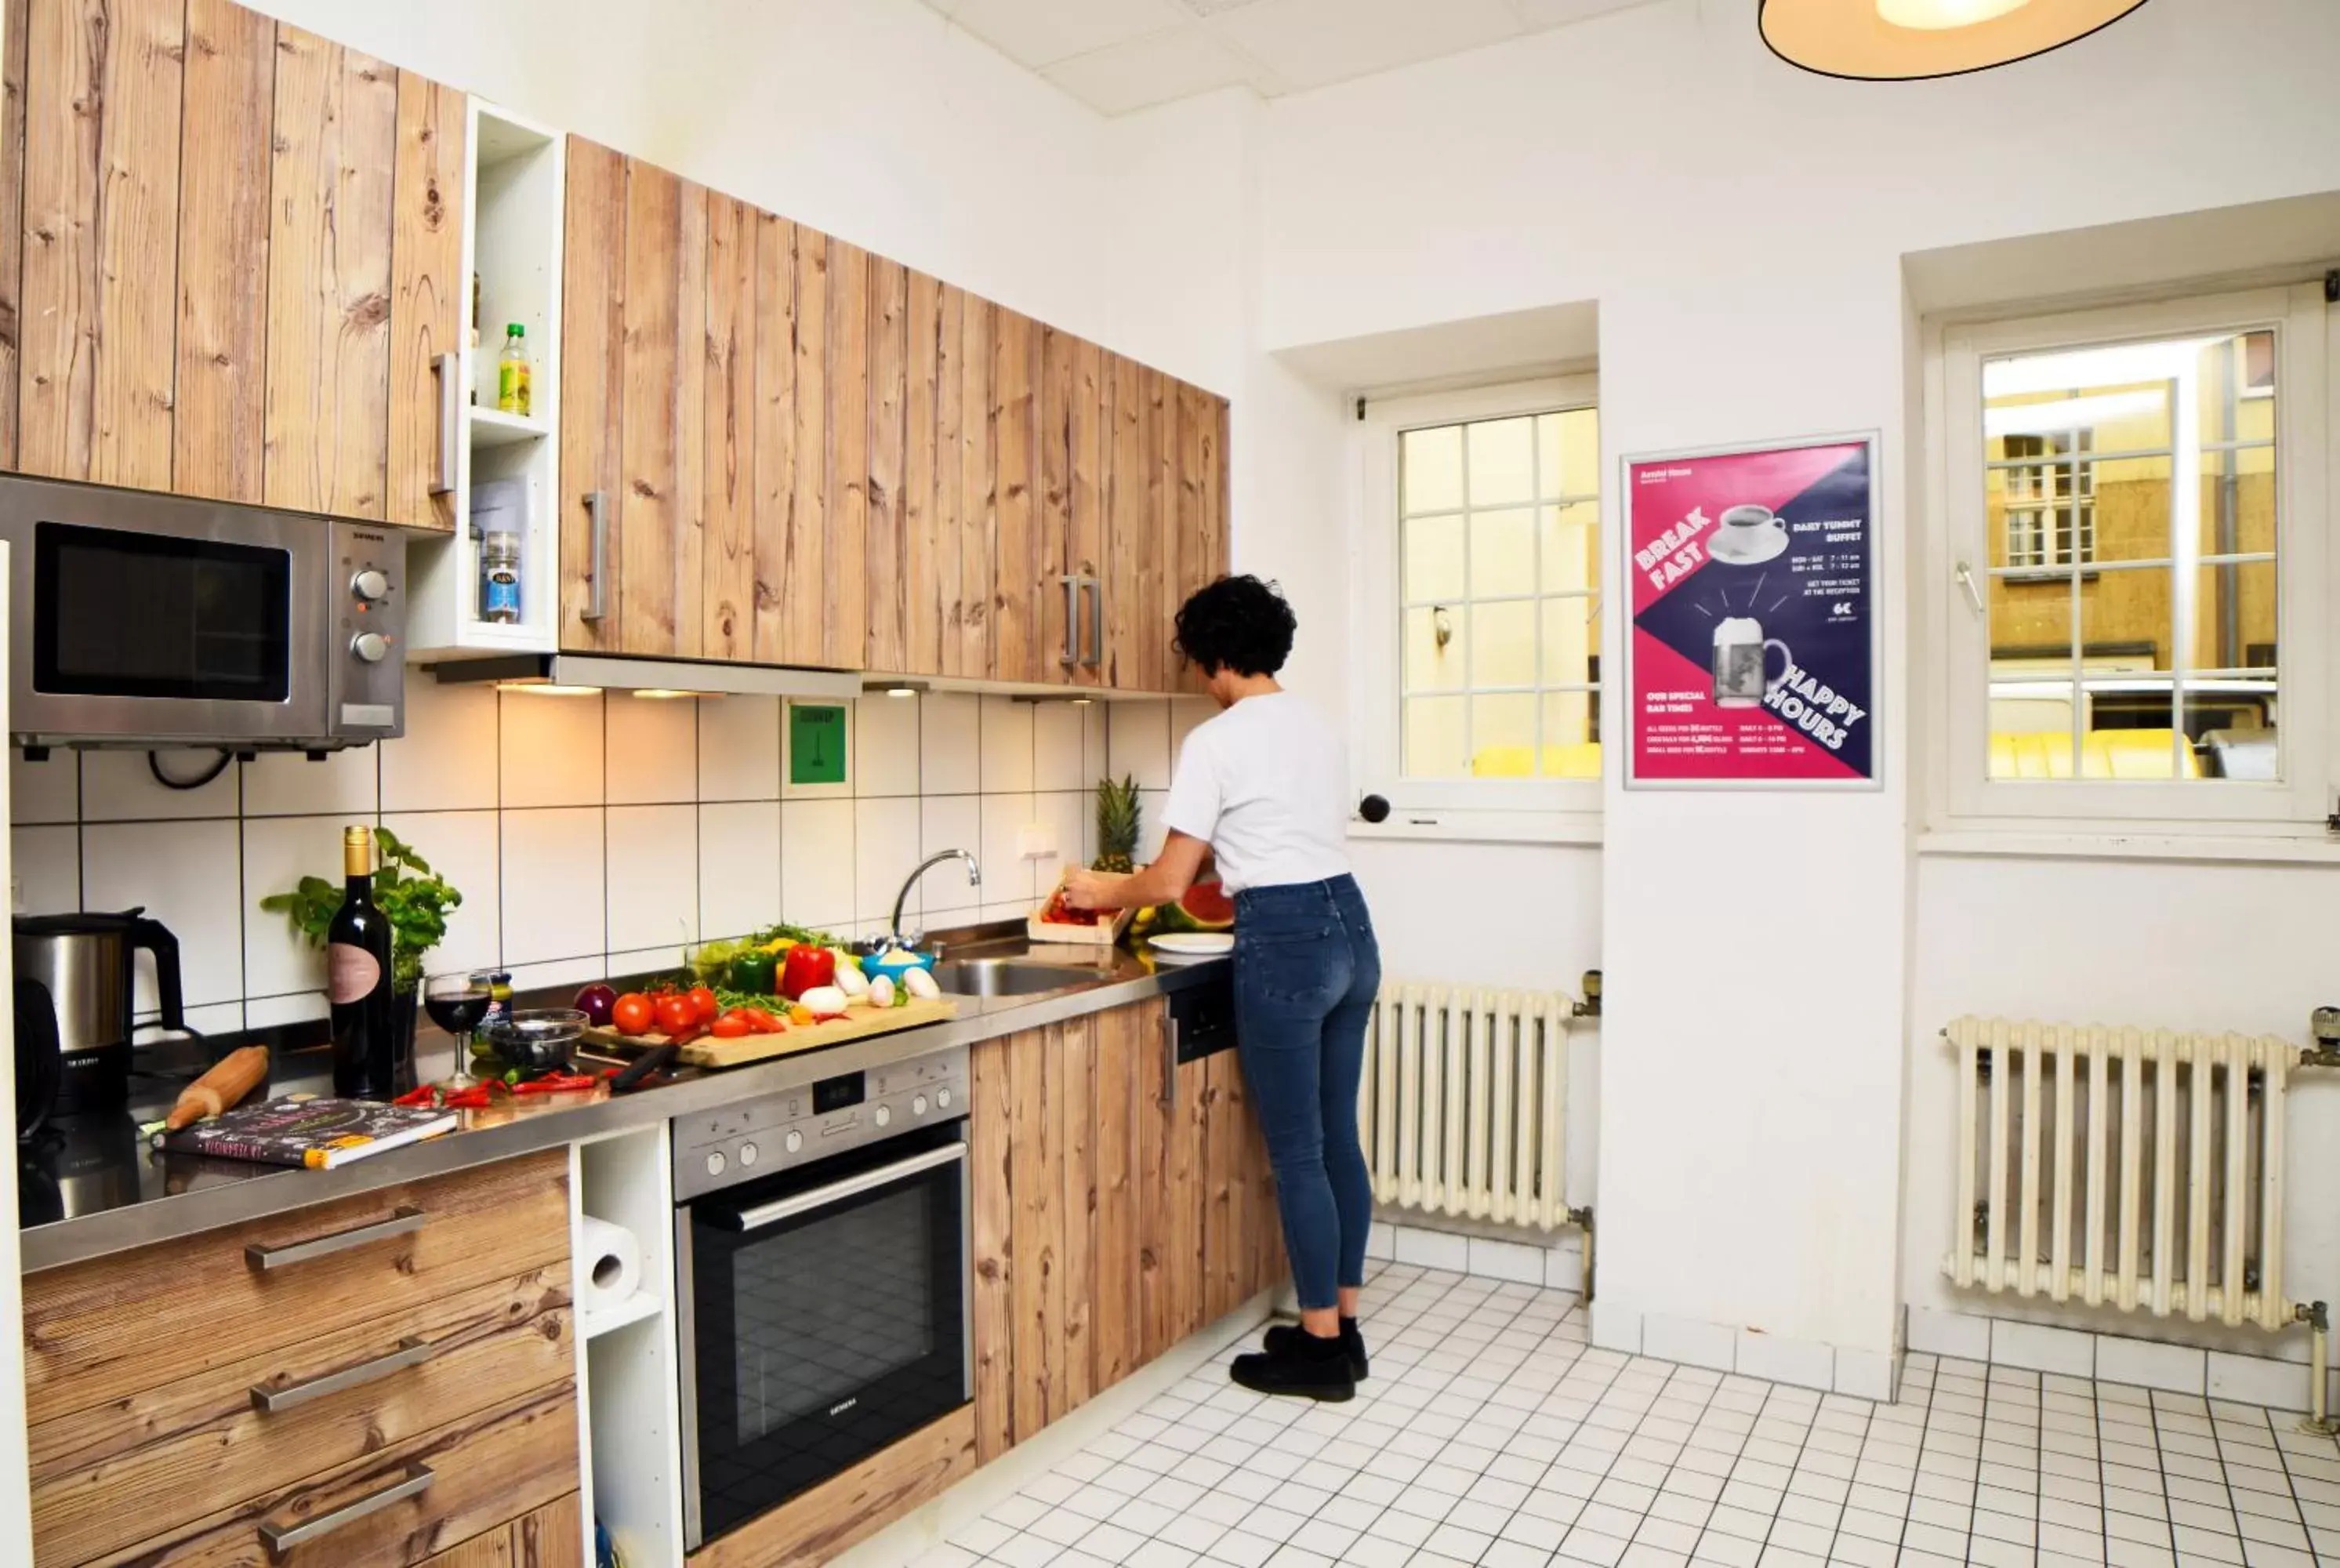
(358, 981)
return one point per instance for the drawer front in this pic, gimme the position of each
(403, 1505)
(116, 1326)
(552, 1537)
(112, 1474)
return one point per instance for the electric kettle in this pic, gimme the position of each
(87, 963)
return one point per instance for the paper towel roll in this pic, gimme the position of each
(611, 1264)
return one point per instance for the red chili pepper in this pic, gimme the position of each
(427, 1095)
(557, 1083)
(473, 1098)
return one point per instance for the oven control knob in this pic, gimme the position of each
(942, 1098)
(714, 1163)
(748, 1153)
(794, 1141)
(370, 646)
(918, 1105)
(370, 586)
(881, 1116)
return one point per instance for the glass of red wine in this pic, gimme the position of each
(457, 1003)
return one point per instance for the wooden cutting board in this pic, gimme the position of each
(860, 1023)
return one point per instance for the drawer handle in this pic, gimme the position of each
(410, 1352)
(281, 1539)
(402, 1222)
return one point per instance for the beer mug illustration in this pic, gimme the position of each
(1741, 651)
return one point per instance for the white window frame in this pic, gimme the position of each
(1962, 798)
(1503, 809)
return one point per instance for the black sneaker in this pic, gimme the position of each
(1282, 1335)
(1307, 1367)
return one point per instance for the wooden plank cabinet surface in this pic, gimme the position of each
(552, 1536)
(1110, 1221)
(301, 198)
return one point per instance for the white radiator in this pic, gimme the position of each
(2131, 1169)
(1464, 1107)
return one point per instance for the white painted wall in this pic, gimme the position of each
(1742, 227)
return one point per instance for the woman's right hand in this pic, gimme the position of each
(1088, 889)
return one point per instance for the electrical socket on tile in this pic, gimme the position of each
(1037, 841)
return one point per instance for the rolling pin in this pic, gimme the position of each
(234, 1076)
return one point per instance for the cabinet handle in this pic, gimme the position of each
(1096, 621)
(1072, 654)
(451, 427)
(1170, 1064)
(281, 1539)
(597, 601)
(402, 1222)
(410, 1352)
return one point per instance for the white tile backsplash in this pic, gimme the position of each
(738, 867)
(553, 863)
(586, 833)
(885, 746)
(446, 761)
(1138, 743)
(551, 749)
(653, 876)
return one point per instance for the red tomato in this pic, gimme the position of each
(703, 1003)
(729, 1027)
(632, 1014)
(676, 1014)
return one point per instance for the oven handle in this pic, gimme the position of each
(788, 1207)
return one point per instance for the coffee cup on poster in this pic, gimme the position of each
(1742, 656)
(1746, 535)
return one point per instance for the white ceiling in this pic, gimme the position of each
(1116, 55)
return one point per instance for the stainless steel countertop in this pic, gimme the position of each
(135, 1197)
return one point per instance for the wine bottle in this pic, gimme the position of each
(358, 980)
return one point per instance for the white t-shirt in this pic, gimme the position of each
(1265, 784)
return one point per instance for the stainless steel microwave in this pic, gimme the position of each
(144, 619)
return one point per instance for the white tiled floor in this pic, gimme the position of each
(1489, 1433)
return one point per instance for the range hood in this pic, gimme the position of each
(554, 673)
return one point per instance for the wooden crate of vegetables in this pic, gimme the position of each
(782, 990)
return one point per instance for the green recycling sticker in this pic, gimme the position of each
(817, 743)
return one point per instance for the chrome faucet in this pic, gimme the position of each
(974, 879)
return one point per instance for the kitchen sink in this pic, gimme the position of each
(1005, 977)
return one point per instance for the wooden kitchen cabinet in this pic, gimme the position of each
(1111, 1220)
(552, 1536)
(185, 1398)
(301, 198)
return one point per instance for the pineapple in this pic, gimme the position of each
(1116, 825)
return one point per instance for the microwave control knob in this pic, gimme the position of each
(881, 1116)
(942, 1098)
(918, 1105)
(370, 646)
(794, 1141)
(748, 1153)
(714, 1163)
(370, 586)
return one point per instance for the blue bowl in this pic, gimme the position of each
(871, 967)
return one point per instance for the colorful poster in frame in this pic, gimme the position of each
(1753, 655)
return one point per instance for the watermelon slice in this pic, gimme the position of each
(1205, 908)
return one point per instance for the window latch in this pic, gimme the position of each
(1974, 594)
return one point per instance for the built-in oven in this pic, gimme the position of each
(821, 1256)
(146, 620)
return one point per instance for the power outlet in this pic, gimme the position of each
(1037, 841)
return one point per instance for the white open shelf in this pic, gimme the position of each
(514, 192)
(628, 1383)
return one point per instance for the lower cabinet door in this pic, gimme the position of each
(553, 1536)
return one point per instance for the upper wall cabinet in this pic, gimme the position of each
(300, 194)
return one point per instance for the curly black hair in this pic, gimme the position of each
(1237, 623)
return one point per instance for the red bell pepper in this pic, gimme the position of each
(809, 965)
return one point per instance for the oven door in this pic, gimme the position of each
(156, 617)
(825, 1317)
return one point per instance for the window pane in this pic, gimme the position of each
(1433, 558)
(1502, 644)
(2130, 499)
(1571, 547)
(2127, 626)
(2238, 501)
(1571, 735)
(1436, 745)
(1502, 553)
(1432, 461)
(1568, 453)
(1502, 461)
(1436, 640)
(1502, 737)
(2234, 618)
(2030, 620)
(2031, 729)
(1570, 641)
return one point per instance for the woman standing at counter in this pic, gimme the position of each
(1263, 789)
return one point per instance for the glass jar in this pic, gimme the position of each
(499, 577)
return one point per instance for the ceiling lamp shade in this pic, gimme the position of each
(1909, 40)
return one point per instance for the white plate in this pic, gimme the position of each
(1194, 944)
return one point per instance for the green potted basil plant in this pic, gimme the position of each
(416, 901)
